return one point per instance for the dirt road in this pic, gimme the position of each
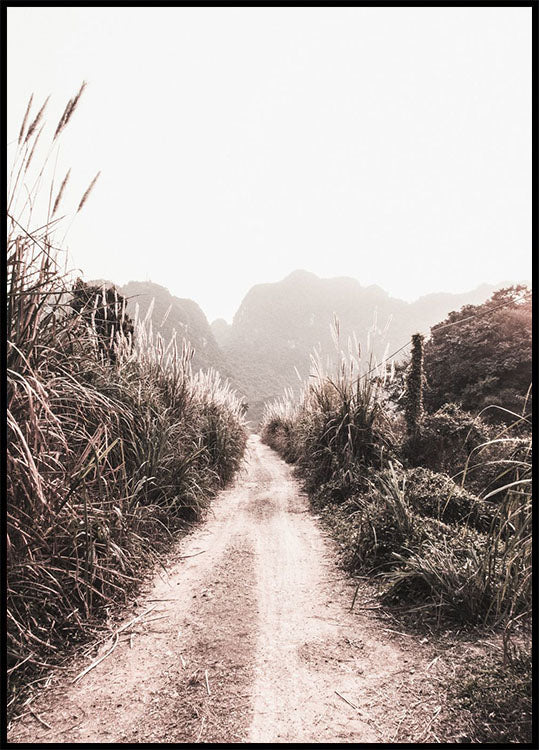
(248, 638)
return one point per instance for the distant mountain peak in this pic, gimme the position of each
(221, 331)
(301, 274)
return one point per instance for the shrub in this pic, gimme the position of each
(437, 544)
(338, 428)
(437, 496)
(434, 544)
(442, 574)
(374, 539)
(339, 489)
(496, 463)
(445, 439)
(278, 433)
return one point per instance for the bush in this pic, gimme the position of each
(339, 489)
(437, 544)
(337, 430)
(445, 439)
(278, 433)
(434, 544)
(437, 496)
(443, 574)
(343, 432)
(470, 575)
(496, 463)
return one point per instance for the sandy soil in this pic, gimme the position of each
(248, 638)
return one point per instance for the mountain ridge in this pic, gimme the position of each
(278, 324)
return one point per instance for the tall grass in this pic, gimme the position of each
(509, 555)
(339, 425)
(430, 541)
(488, 581)
(107, 456)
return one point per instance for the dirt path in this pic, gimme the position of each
(250, 639)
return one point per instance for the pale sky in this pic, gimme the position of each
(392, 145)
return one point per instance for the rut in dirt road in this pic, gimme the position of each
(249, 638)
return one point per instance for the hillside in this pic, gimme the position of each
(278, 324)
(184, 316)
(221, 330)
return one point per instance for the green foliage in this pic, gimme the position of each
(485, 358)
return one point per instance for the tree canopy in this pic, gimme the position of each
(486, 358)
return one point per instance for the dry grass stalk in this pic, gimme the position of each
(36, 121)
(69, 111)
(25, 119)
(61, 192)
(88, 191)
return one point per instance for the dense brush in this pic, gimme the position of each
(113, 442)
(433, 539)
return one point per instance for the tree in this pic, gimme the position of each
(105, 310)
(485, 358)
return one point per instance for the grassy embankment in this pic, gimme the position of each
(114, 444)
(435, 509)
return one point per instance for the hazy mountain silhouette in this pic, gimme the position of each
(184, 316)
(221, 330)
(278, 325)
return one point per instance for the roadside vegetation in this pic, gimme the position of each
(114, 443)
(429, 500)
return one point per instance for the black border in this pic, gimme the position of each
(534, 5)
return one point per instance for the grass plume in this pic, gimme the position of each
(114, 444)
(87, 193)
(61, 192)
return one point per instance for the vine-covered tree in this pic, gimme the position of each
(485, 358)
(413, 406)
